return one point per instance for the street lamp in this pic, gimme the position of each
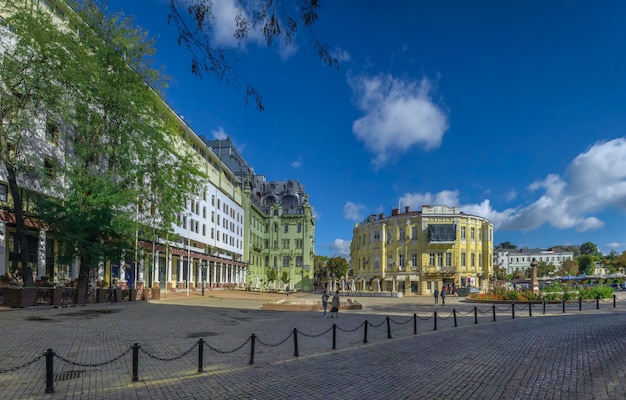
(204, 267)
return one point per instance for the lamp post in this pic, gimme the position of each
(204, 267)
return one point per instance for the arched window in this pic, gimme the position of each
(290, 201)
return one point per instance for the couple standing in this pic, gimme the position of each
(334, 310)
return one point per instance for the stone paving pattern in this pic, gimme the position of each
(571, 355)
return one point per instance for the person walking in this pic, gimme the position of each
(436, 296)
(443, 297)
(325, 302)
(334, 310)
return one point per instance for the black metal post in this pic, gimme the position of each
(365, 334)
(435, 319)
(513, 310)
(580, 303)
(544, 306)
(597, 302)
(493, 309)
(252, 342)
(49, 371)
(475, 315)
(136, 348)
(530, 309)
(454, 314)
(334, 336)
(295, 342)
(200, 354)
(388, 328)
(614, 298)
(564, 303)
(414, 324)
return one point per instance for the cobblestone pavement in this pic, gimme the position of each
(557, 355)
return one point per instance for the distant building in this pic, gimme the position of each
(512, 259)
(279, 225)
(416, 252)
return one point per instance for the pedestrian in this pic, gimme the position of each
(443, 298)
(436, 296)
(325, 302)
(334, 310)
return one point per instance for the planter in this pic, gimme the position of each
(57, 296)
(156, 293)
(81, 296)
(20, 297)
(101, 295)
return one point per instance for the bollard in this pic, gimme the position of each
(580, 303)
(530, 309)
(365, 334)
(614, 296)
(252, 341)
(544, 306)
(200, 355)
(454, 313)
(435, 319)
(295, 342)
(475, 315)
(388, 328)
(135, 348)
(513, 310)
(597, 302)
(414, 324)
(493, 308)
(49, 371)
(564, 303)
(334, 336)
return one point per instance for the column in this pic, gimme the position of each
(155, 268)
(213, 274)
(3, 248)
(41, 256)
(168, 274)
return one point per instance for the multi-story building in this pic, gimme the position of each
(416, 252)
(514, 259)
(279, 225)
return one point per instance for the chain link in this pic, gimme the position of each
(487, 310)
(467, 313)
(228, 351)
(111, 361)
(2, 370)
(401, 323)
(425, 318)
(444, 318)
(506, 309)
(376, 326)
(144, 351)
(319, 334)
(351, 330)
(274, 345)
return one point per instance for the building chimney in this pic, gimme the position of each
(394, 212)
(406, 209)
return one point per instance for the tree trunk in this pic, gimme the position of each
(20, 227)
(83, 272)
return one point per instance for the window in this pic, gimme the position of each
(3, 192)
(401, 260)
(299, 261)
(52, 131)
(389, 262)
(204, 212)
(285, 243)
(414, 233)
(389, 236)
(286, 228)
(414, 260)
(462, 233)
(473, 258)
(299, 228)
(440, 259)
(472, 234)
(448, 259)
(463, 260)
(285, 261)
(49, 168)
(431, 261)
(376, 236)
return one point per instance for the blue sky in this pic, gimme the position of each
(514, 111)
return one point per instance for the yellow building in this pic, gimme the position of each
(416, 252)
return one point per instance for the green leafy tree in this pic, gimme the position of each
(275, 20)
(544, 269)
(589, 248)
(37, 68)
(568, 267)
(585, 264)
(272, 275)
(507, 245)
(338, 266)
(499, 273)
(129, 168)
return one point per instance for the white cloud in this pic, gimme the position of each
(398, 115)
(352, 211)
(297, 164)
(511, 195)
(341, 55)
(219, 134)
(339, 247)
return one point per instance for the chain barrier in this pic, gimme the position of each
(26, 364)
(351, 330)
(111, 361)
(467, 313)
(227, 351)
(445, 318)
(319, 334)
(376, 326)
(487, 311)
(144, 351)
(424, 318)
(504, 310)
(520, 307)
(402, 323)
(274, 345)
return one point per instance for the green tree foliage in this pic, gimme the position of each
(338, 266)
(589, 248)
(273, 19)
(127, 165)
(568, 267)
(499, 273)
(585, 264)
(544, 269)
(272, 274)
(35, 82)
(506, 245)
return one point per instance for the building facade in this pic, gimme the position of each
(520, 259)
(279, 225)
(416, 252)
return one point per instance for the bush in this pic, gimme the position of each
(4, 278)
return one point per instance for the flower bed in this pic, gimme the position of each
(554, 292)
